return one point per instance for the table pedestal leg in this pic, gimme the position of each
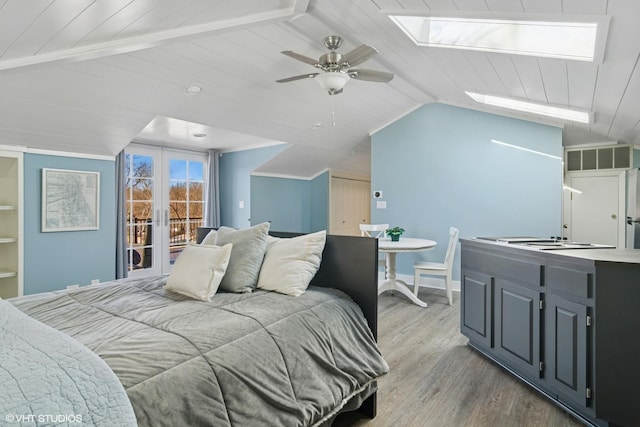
(394, 284)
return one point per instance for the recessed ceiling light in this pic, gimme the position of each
(530, 107)
(199, 135)
(193, 90)
(544, 38)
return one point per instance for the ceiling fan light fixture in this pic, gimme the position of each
(332, 81)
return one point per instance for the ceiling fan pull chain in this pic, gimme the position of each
(333, 115)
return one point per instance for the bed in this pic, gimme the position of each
(258, 358)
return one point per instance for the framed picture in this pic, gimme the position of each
(70, 200)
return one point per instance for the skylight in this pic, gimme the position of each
(550, 39)
(530, 107)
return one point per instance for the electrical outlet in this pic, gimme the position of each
(95, 281)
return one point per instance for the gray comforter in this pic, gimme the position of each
(240, 360)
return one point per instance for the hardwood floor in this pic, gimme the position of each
(435, 379)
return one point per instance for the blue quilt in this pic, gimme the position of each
(48, 378)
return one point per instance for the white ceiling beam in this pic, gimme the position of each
(146, 41)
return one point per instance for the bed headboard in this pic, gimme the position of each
(349, 264)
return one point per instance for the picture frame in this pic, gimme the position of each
(70, 200)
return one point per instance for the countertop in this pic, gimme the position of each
(629, 256)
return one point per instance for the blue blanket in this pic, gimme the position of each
(48, 378)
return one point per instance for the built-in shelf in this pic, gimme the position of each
(4, 274)
(11, 226)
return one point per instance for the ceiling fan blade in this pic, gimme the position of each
(370, 75)
(302, 58)
(300, 77)
(358, 55)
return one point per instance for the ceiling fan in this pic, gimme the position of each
(336, 68)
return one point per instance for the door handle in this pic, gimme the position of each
(631, 221)
(158, 218)
(166, 217)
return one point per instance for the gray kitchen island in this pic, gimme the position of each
(565, 319)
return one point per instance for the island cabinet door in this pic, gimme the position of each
(517, 327)
(476, 314)
(567, 349)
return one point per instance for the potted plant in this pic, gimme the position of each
(395, 233)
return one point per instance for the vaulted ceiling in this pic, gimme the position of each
(90, 76)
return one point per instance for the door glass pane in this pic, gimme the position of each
(196, 171)
(177, 190)
(139, 194)
(177, 169)
(142, 166)
(186, 203)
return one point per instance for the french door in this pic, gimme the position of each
(165, 192)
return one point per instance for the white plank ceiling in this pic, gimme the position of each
(90, 76)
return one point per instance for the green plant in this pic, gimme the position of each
(395, 231)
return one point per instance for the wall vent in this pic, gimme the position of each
(604, 157)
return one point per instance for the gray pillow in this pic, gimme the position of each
(249, 246)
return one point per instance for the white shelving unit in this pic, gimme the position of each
(11, 231)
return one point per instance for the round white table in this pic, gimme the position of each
(405, 244)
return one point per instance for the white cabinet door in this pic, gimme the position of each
(350, 205)
(595, 211)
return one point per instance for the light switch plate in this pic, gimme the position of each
(381, 204)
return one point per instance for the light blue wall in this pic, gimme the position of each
(55, 260)
(284, 202)
(320, 202)
(235, 183)
(437, 168)
(295, 205)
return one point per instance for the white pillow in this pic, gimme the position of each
(290, 263)
(210, 238)
(198, 271)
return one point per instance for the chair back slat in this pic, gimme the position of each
(451, 249)
(373, 230)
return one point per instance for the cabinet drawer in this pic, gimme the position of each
(522, 270)
(568, 280)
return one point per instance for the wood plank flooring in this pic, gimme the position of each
(435, 379)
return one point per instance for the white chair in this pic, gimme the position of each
(376, 231)
(439, 268)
